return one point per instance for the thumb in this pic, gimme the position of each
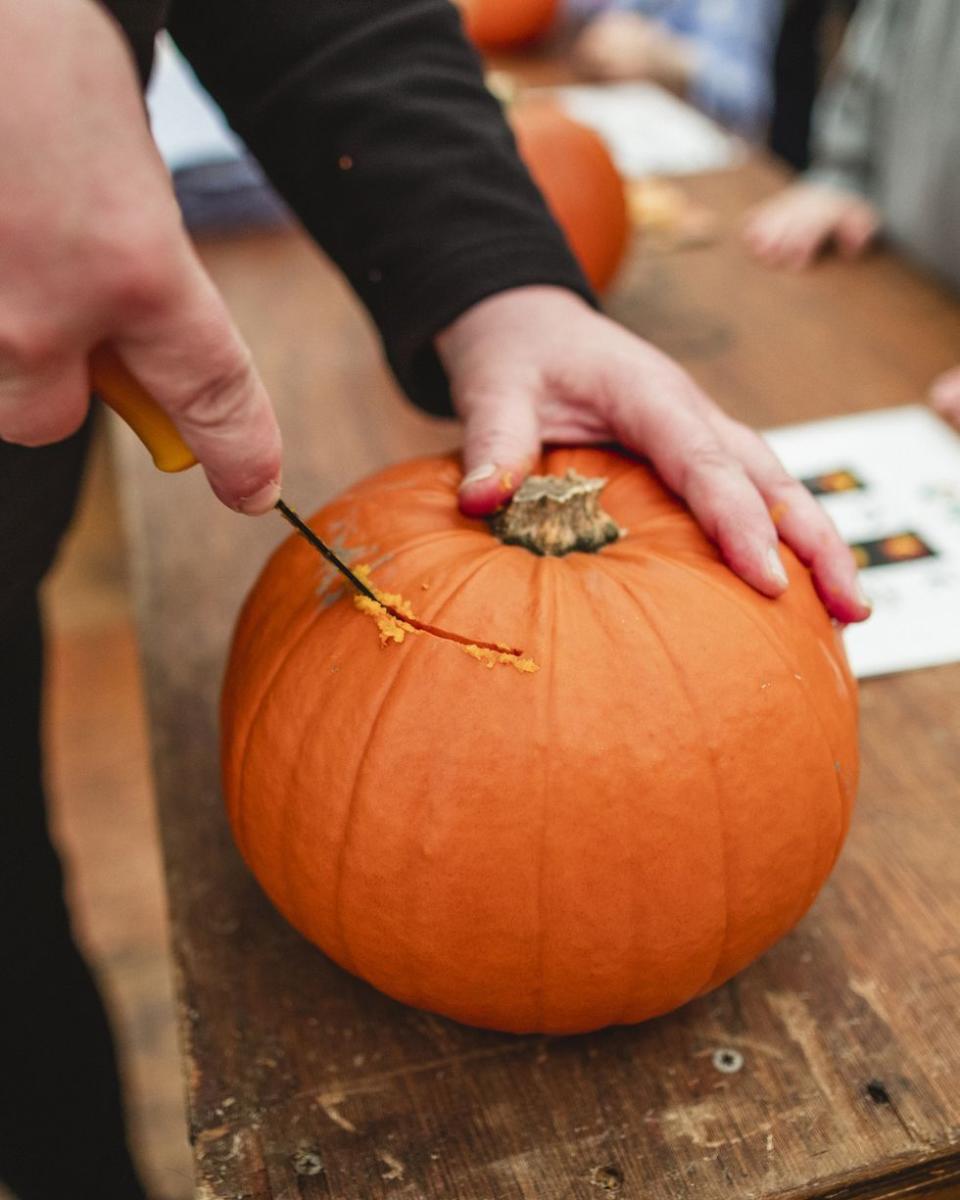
(501, 442)
(189, 356)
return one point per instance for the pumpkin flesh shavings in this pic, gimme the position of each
(390, 609)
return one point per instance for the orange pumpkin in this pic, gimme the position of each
(593, 842)
(507, 24)
(580, 182)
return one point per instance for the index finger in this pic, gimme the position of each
(188, 354)
(691, 460)
(801, 521)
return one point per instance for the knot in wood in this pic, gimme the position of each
(307, 1162)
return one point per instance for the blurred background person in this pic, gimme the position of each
(886, 154)
(754, 66)
(718, 54)
(809, 38)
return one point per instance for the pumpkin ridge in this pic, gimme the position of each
(282, 659)
(389, 693)
(375, 558)
(715, 772)
(284, 655)
(350, 816)
(540, 995)
(615, 637)
(415, 543)
(314, 596)
(804, 688)
(778, 649)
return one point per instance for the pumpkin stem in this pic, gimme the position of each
(553, 516)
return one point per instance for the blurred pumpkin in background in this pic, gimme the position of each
(580, 182)
(506, 24)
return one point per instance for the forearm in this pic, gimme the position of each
(373, 121)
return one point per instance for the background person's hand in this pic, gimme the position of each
(792, 228)
(626, 45)
(92, 250)
(537, 365)
(945, 395)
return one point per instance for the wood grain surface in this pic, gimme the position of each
(831, 1068)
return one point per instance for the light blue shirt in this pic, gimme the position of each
(735, 40)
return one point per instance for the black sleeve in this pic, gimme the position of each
(141, 21)
(372, 119)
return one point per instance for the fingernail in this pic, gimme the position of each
(775, 568)
(863, 598)
(261, 501)
(478, 475)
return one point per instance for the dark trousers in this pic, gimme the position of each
(62, 1134)
(797, 75)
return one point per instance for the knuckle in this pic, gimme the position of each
(135, 249)
(138, 276)
(492, 435)
(29, 349)
(709, 461)
(739, 439)
(781, 488)
(820, 542)
(740, 431)
(223, 396)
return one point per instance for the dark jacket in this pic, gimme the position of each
(372, 120)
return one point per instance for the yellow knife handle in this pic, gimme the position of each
(115, 386)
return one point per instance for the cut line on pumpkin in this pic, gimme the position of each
(394, 618)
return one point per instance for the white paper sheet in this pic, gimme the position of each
(187, 125)
(649, 131)
(908, 463)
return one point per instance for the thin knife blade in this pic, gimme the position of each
(318, 544)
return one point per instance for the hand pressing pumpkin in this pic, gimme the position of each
(536, 365)
(506, 24)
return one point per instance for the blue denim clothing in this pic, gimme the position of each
(735, 40)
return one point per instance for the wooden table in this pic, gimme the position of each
(304, 1082)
